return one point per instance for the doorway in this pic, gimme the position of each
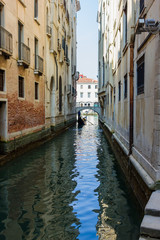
(3, 122)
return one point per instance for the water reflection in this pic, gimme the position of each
(67, 189)
(37, 194)
(118, 218)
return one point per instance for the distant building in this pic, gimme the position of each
(87, 89)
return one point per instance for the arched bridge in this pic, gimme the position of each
(88, 106)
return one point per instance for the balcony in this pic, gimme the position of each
(38, 65)
(6, 43)
(24, 55)
(48, 31)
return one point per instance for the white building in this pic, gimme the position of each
(87, 89)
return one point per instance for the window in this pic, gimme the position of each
(96, 86)
(125, 26)
(36, 9)
(125, 86)
(103, 72)
(36, 90)
(141, 5)
(111, 96)
(2, 80)
(89, 94)
(140, 75)
(81, 95)
(89, 86)
(21, 87)
(36, 52)
(81, 86)
(119, 91)
(1, 14)
(20, 40)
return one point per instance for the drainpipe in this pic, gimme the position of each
(131, 79)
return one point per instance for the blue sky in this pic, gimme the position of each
(87, 35)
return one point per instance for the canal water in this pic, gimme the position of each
(69, 188)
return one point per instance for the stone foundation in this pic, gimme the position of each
(137, 183)
(18, 146)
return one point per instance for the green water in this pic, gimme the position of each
(69, 188)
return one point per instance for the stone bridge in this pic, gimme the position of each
(80, 106)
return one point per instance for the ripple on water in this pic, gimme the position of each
(69, 188)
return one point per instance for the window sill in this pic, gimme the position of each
(125, 48)
(21, 98)
(36, 20)
(22, 2)
(37, 100)
(2, 92)
(119, 61)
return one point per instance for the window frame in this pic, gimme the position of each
(125, 27)
(81, 94)
(35, 9)
(36, 91)
(21, 93)
(140, 75)
(119, 91)
(125, 86)
(3, 83)
(141, 6)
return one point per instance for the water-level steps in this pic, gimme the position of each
(150, 226)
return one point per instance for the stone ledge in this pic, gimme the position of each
(150, 226)
(148, 238)
(153, 206)
(146, 178)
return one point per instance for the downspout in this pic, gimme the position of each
(56, 72)
(131, 81)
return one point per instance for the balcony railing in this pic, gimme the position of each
(49, 30)
(38, 65)
(6, 42)
(24, 55)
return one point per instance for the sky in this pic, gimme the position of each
(87, 39)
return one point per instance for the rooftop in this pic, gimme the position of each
(84, 79)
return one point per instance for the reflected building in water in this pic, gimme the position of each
(37, 194)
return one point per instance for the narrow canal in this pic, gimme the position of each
(69, 188)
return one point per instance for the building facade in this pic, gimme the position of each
(61, 21)
(87, 90)
(37, 69)
(129, 81)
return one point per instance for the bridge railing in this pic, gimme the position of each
(88, 104)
